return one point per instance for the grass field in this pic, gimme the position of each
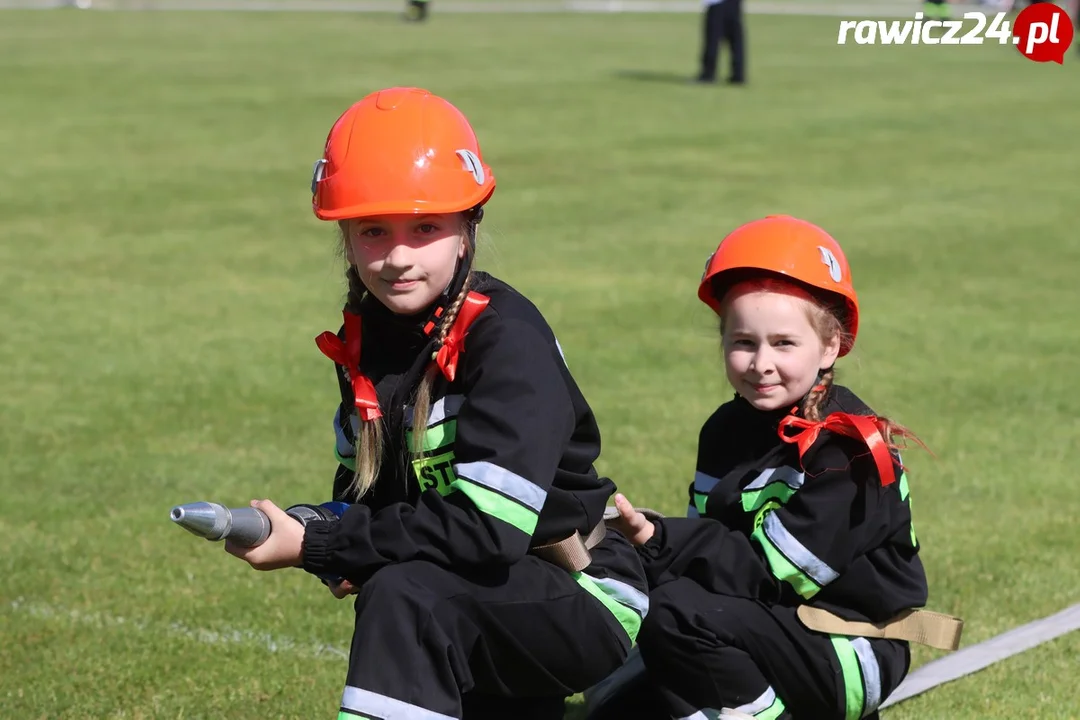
(162, 280)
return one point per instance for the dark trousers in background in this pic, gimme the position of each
(724, 23)
(714, 651)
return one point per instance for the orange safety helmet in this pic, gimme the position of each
(789, 247)
(400, 151)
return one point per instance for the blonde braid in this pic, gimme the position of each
(369, 450)
(369, 441)
(816, 398)
(452, 312)
(422, 404)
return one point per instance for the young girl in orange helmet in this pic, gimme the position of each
(799, 499)
(464, 446)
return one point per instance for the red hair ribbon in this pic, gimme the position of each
(447, 356)
(858, 427)
(347, 354)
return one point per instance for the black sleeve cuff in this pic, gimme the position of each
(316, 552)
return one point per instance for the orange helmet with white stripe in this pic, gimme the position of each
(790, 248)
(400, 151)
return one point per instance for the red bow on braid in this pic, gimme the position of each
(858, 427)
(447, 356)
(347, 354)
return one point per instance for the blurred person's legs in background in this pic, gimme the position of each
(723, 22)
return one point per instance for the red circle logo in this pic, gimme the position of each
(1043, 32)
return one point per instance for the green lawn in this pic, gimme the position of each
(162, 280)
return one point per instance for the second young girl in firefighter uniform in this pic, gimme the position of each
(799, 501)
(465, 447)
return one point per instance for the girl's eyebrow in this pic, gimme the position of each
(781, 335)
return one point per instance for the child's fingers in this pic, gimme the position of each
(632, 517)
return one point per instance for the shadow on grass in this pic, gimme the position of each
(655, 76)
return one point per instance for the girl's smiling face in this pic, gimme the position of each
(406, 261)
(773, 352)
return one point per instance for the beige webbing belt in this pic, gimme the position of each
(919, 626)
(572, 553)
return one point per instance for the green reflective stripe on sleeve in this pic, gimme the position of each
(346, 715)
(773, 711)
(436, 437)
(498, 506)
(349, 462)
(905, 493)
(754, 499)
(783, 569)
(630, 620)
(700, 500)
(853, 681)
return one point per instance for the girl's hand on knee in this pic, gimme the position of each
(343, 589)
(284, 547)
(635, 526)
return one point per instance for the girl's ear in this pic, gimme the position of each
(830, 352)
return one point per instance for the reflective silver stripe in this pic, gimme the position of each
(344, 447)
(761, 704)
(871, 674)
(794, 551)
(625, 594)
(785, 474)
(445, 407)
(704, 483)
(497, 478)
(441, 409)
(364, 702)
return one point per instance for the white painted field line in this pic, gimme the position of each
(250, 638)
